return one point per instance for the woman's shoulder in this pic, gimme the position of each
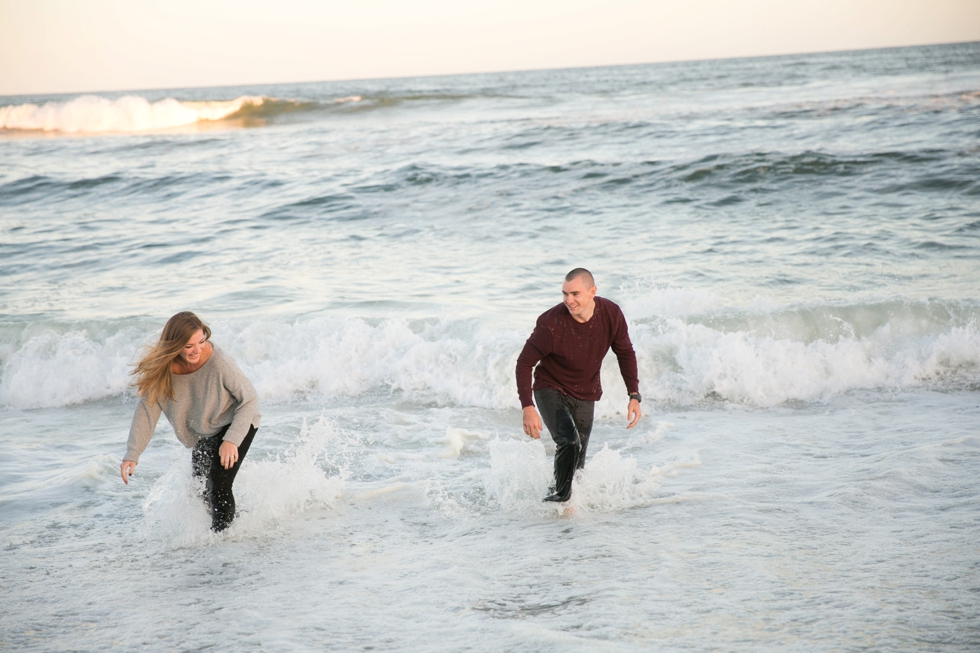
(223, 361)
(219, 357)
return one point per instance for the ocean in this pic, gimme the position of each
(794, 240)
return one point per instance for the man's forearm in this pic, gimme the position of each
(528, 358)
(628, 368)
(524, 374)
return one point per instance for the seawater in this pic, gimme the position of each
(795, 242)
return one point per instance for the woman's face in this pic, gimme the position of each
(191, 353)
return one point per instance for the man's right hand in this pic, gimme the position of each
(532, 422)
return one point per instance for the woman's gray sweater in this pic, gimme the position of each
(205, 401)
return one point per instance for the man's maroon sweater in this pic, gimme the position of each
(571, 353)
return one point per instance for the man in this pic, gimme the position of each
(568, 345)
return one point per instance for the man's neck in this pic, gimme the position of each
(585, 317)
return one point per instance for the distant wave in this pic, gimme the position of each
(91, 114)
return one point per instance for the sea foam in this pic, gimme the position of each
(57, 367)
(742, 357)
(520, 471)
(310, 476)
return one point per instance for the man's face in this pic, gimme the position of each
(579, 298)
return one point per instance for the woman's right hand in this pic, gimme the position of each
(126, 470)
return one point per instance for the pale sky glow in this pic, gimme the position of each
(66, 46)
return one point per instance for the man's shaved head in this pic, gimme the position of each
(583, 274)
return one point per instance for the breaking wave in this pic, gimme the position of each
(91, 114)
(689, 351)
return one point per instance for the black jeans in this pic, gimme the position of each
(218, 480)
(569, 420)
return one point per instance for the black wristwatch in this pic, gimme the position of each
(636, 395)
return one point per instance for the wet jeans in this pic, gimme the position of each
(218, 480)
(569, 421)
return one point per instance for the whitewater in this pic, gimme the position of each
(795, 243)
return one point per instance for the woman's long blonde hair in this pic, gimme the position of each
(152, 372)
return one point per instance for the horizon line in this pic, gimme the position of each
(485, 72)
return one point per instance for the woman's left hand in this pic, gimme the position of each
(228, 454)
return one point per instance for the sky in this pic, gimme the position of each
(75, 46)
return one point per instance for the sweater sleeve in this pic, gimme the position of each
(141, 431)
(537, 347)
(247, 412)
(623, 348)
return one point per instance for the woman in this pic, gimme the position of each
(212, 407)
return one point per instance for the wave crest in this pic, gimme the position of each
(91, 114)
(743, 356)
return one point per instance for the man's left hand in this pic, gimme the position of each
(633, 413)
(228, 454)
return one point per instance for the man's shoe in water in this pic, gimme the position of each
(558, 498)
